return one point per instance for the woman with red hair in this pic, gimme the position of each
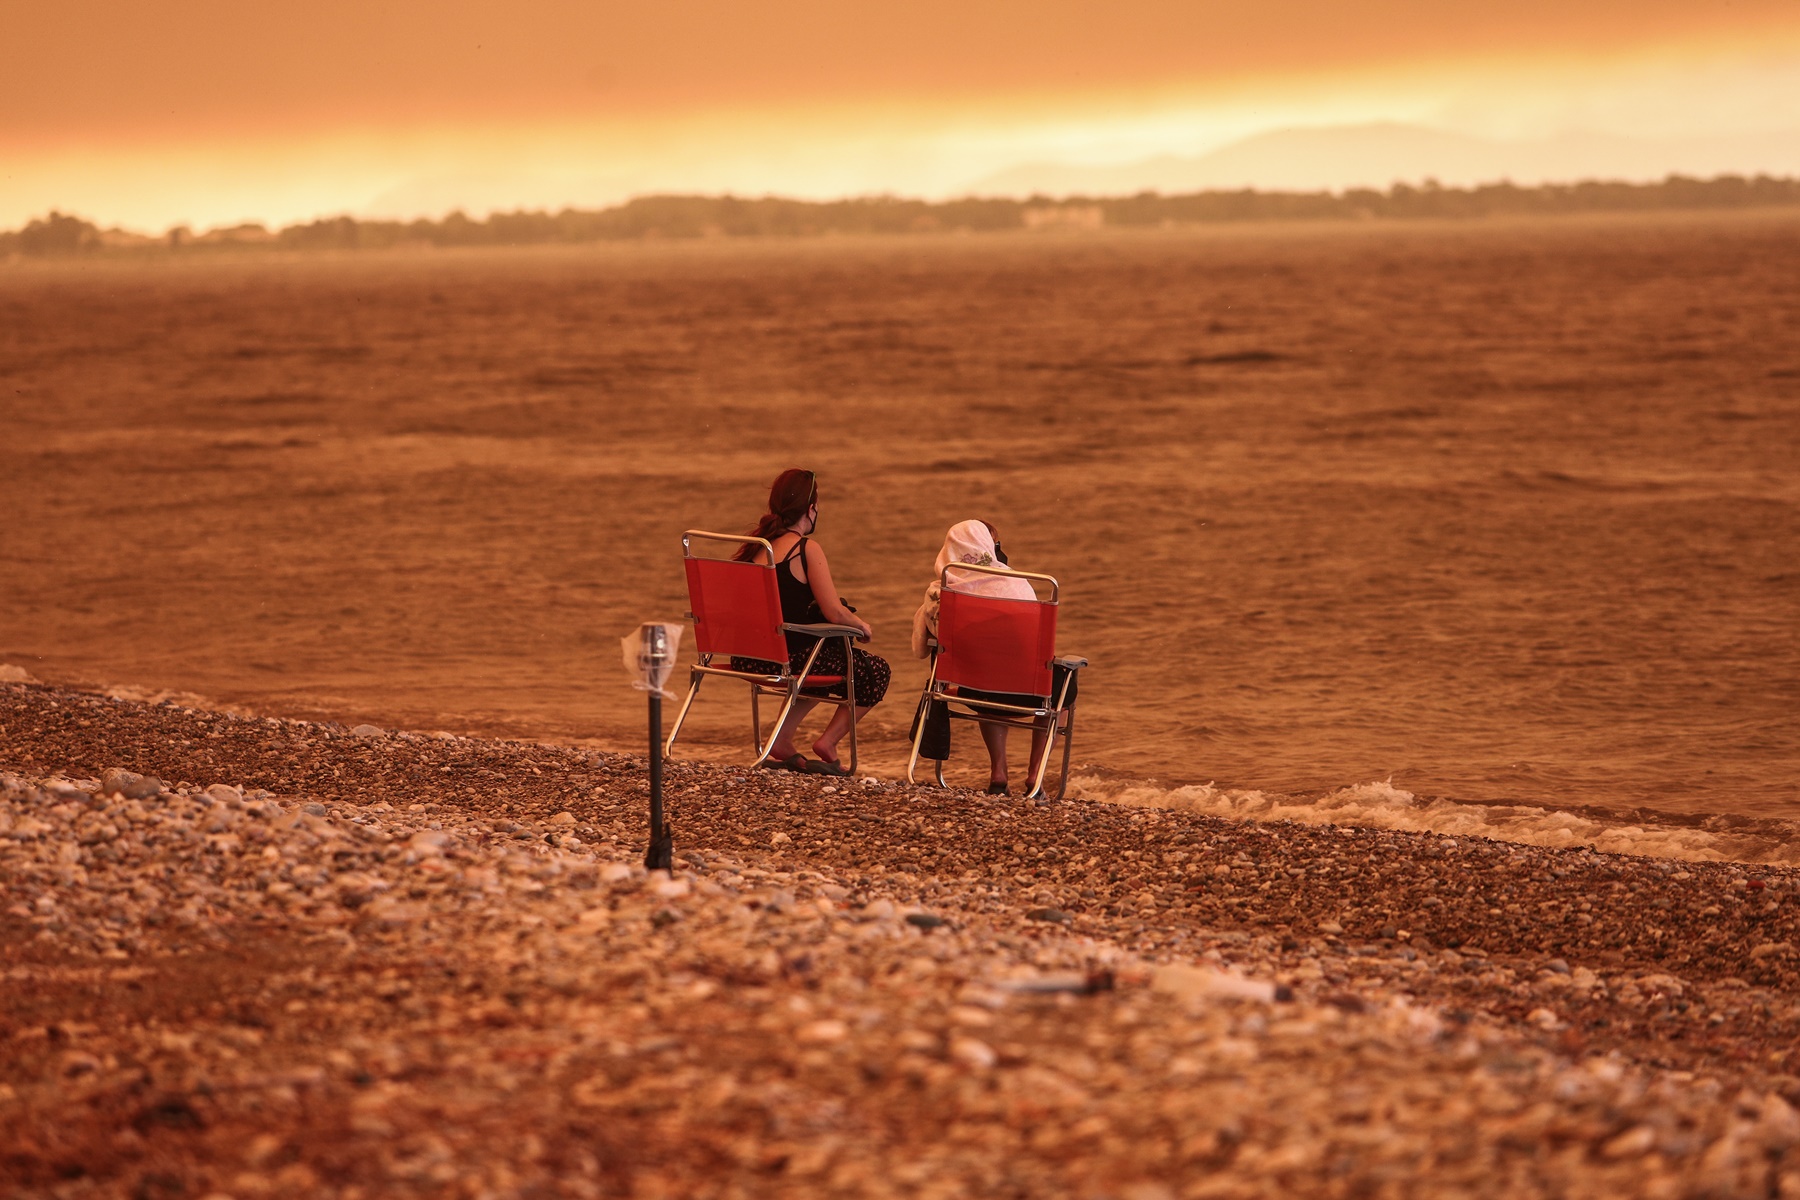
(808, 597)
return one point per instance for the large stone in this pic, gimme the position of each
(114, 780)
(147, 787)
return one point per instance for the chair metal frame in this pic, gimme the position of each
(788, 683)
(1050, 714)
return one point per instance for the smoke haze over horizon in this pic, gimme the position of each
(207, 113)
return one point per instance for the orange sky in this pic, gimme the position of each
(280, 109)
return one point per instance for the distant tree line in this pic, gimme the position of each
(730, 216)
(52, 235)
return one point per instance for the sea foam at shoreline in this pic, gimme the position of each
(1384, 806)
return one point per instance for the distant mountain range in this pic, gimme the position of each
(1380, 155)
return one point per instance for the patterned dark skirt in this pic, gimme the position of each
(872, 672)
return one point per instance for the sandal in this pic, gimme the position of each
(825, 766)
(998, 788)
(793, 762)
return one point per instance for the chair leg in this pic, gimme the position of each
(1043, 763)
(912, 760)
(1068, 737)
(693, 690)
(793, 698)
(850, 697)
(755, 718)
(763, 748)
(1068, 732)
(919, 730)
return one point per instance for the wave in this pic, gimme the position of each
(1384, 806)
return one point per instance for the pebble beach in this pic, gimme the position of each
(248, 957)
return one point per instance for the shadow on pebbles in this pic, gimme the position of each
(245, 957)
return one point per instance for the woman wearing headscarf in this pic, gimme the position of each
(809, 597)
(973, 543)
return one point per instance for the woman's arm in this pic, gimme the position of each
(925, 623)
(818, 577)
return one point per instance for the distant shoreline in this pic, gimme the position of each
(1745, 842)
(681, 218)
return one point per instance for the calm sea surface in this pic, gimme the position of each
(1497, 511)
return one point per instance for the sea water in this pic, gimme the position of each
(1501, 514)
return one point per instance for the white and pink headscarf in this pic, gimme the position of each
(971, 542)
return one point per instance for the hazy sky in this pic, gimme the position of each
(211, 110)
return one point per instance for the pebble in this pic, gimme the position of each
(822, 1032)
(146, 787)
(973, 1052)
(1636, 1141)
(322, 976)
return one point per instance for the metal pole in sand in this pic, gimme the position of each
(655, 656)
(661, 855)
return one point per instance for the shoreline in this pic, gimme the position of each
(1642, 830)
(315, 962)
(325, 762)
(1639, 832)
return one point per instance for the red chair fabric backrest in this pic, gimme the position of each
(994, 644)
(737, 609)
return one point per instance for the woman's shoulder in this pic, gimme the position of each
(791, 543)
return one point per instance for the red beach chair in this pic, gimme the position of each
(992, 644)
(737, 613)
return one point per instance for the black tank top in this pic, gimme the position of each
(798, 604)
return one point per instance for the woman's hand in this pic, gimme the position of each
(867, 631)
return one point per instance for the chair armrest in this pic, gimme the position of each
(1072, 663)
(823, 630)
